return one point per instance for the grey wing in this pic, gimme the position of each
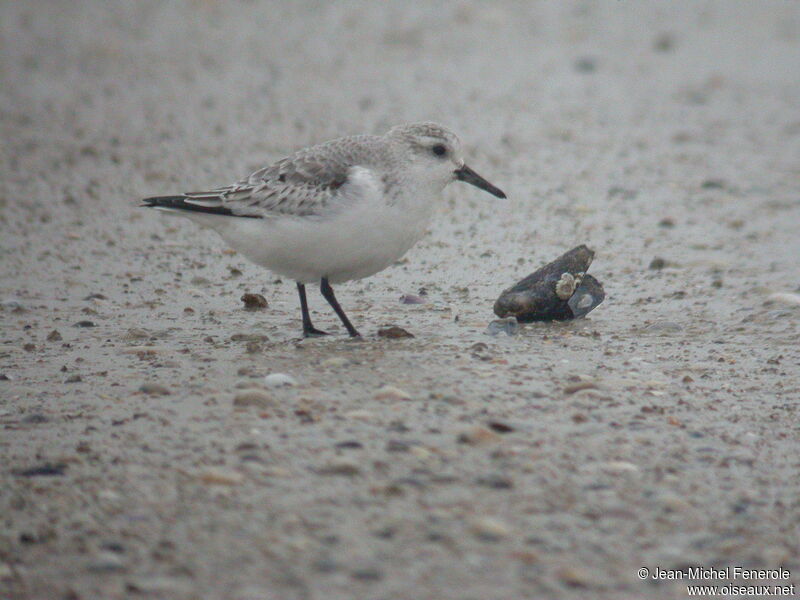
(304, 184)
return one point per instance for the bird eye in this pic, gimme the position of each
(439, 150)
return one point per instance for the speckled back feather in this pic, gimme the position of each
(303, 184)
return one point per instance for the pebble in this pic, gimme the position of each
(616, 191)
(247, 384)
(161, 586)
(276, 472)
(254, 302)
(154, 389)
(54, 336)
(675, 503)
(785, 298)
(657, 263)
(452, 400)
(135, 333)
(478, 436)
(585, 64)
(398, 446)
(108, 496)
(394, 332)
(663, 327)
(509, 326)
(713, 184)
(580, 385)
(412, 299)
(276, 380)
(367, 574)
(663, 42)
(500, 427)
(249, 337)
(360, 414)
(667, 223)
(113, 546)
(335, 362)
(105, 562)
(84, 324)
(349, 445)
(421, 452)
(35, 419)
(495, 481)
(75, 379)
(348, 468)
(220, 476)
(325, 565)
(390, 392)
(480, 351)
(12, 304)
(248, 372)
(43, 470)
(618, 467)
(490, 529)
(253, 397)
(574, 576)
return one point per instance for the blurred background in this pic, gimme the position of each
(569, 104)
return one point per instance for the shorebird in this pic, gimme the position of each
(337, 211)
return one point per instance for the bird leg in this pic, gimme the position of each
(308, 329)
(327, 292)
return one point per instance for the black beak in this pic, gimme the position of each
(470, 176)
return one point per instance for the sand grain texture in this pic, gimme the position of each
(641, 129)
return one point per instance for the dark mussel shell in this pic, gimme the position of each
(559, 291)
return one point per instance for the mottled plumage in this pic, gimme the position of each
(341, 210)
(300, 185)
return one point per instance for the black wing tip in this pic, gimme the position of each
(163, 201)
(179, 203)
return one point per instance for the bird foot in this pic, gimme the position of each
(311, 332)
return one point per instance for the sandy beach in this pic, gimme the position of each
(145, 452)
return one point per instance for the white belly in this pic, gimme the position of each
(353, 244)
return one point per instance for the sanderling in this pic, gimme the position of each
(341, 210)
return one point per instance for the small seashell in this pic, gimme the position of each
(254, 302)
(276, 380)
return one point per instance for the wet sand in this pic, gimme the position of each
(662, 431)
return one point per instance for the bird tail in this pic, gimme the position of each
(186, 204)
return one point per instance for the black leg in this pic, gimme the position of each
(327, 292)
(308, 328)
